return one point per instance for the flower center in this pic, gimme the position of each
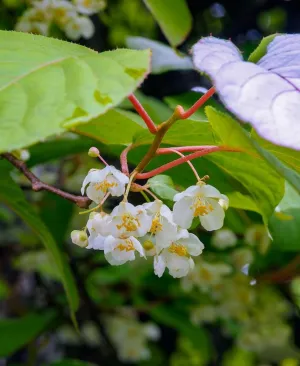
(129, 222)
(201, 207)
(104, 185)
(178, 249)
(156, 225)
(127, 246)
(87, 3)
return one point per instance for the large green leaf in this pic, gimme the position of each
(114, 127)
(47, 85)
(284, 224)
(12, 196)
(69, 362)
(264, 185)
(15, 333)
(163, 186)
(173, 17)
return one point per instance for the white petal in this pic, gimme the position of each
(167, 235)
(96, 242)
(183, 213)
(166, 212)
(118, 189)
(145, 224)
(215, 219)
(178, 266)
(111, 260)
(94, 194)
(210, 191)
(189, 192)
(159, 265)
(138, 247)
(153, 207)
(193, 245)
(122, 178)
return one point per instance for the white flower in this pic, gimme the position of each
(98, 229)
(119, 251)
(34, 21)
(177, 257)
(89, 7)
(259, 236)
(162, 227)
(224, 238)
(149, 244)
(204, 314)
(62, 11)
(241, 257)
(98, 182)
(128, 220)
(211, 274)
(79, 238)
(152, 331)
(199, 201)
(78, 27)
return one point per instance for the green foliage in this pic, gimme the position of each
(72, 85)
(13, 197)
(173, 17)
(265, 187)
(15, 333)
(69, 362)
(163, 186)
(284, 223)
(261, 50)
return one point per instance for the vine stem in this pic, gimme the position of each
(197, 105)
(38, 185)
(123, 159)
(141, 111)
(182, 160)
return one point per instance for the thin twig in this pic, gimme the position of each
(37, 185)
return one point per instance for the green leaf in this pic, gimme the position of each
(261, 50)
(264, 187)
(4, 290)
(163, 186)
(284, 224)
(114, 127)
(49, 85)
(12, 196)
(173, 17)
(179, 320)
(164, 58)
(15, 333)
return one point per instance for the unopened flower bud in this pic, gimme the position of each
(93, 152)
(224, 202)
(79, 237)
(23, 154)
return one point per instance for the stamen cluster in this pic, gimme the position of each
(150, 229)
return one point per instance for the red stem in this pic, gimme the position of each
(123, 159)
(186, 158)
(170, 150)
(141, 111)
(197, 105)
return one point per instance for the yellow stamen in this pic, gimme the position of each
(156, 225)
(103, 186)
(178, 249)
(201, 207)
(129, 222)
(127, 247)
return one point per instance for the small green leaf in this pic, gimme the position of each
(163, 186)
(13, 197)
(284, 228)
(15, 333)
(49, 85)
(173, 17)
(261, 50)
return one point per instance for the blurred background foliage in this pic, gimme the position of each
(228, 311)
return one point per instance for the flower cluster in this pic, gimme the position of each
(150, 229)
(71, 17)
(130, 337)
